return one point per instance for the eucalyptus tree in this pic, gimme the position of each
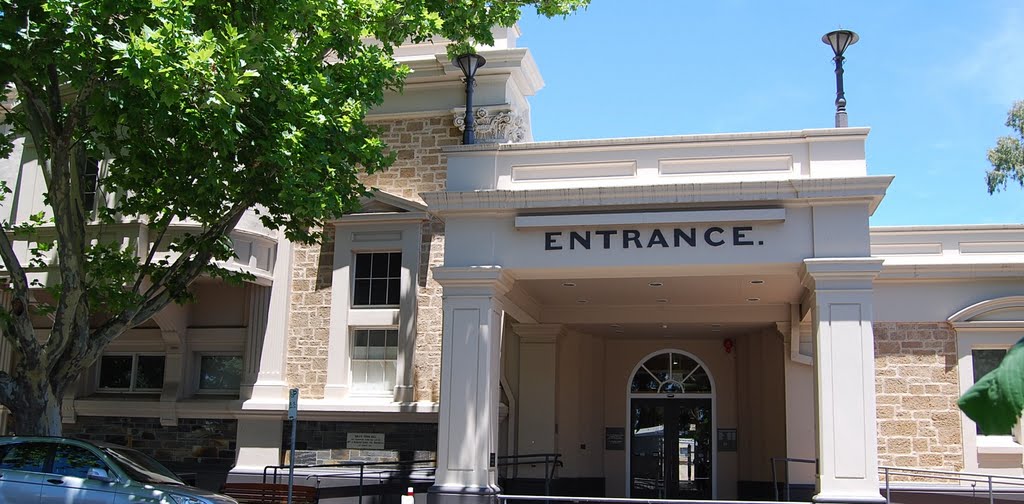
(204, 109)
(996, 400)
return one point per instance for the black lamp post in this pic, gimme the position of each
(839, 40)
(469, 64)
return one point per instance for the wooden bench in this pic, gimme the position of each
(270, 493)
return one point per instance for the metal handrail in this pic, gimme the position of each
(406, 466)
(551, 463)
(991, 480)
(787, 460)
(615, 500)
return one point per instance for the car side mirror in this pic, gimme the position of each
(99, 474)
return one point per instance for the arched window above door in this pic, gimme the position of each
(670, 373)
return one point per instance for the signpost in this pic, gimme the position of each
(293, 413)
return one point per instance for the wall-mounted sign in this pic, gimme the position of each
(365, 441)
(691, 237)
(726, 440)
(614, 438)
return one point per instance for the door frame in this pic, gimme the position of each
(681, 395)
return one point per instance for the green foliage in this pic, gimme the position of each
(996, 400)
(205, 108)
(209, 106)
(1007, 157)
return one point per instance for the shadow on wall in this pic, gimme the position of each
(202, 451)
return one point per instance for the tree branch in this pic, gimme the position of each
(20, 327)
(8, 390)
(39, 126)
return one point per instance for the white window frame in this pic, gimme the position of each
(992, 324)
(135, 367)
(353, 359)
(373, 232)
(199, 373)
(352, 281)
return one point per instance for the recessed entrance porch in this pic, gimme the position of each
(655, 386)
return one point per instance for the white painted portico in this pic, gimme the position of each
(581, 258)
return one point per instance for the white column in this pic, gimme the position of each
(258, 310)
(844, 381)
(271, 390)
(259, 437)
(470, 374)
(537, 363)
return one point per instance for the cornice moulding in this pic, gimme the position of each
(870, 189)
(791, 136)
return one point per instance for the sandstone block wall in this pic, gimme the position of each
(420, 167)
(917, 388)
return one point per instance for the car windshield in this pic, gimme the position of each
(141, 467)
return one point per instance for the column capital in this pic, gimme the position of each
(839, 272)
(488, 281)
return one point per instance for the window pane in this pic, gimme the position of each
(220, 372)
(150, 372)
(116, 371)
(659, 366)
(379, 267)
(75, 461)
(358, 374)
(26, 457)
(394, 291)
(363, 265)
(395, 264)
(376, 353)
(361, 294)
(985, 361)
(390, 372)
(375, 375)
(643, 382)
(378, 292)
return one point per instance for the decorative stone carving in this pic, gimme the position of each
(494, 126)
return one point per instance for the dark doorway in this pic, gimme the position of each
(670, 448)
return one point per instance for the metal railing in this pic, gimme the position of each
(991, 482)
(550, 460)
(380, 471)
(504, 499)
(786, 461)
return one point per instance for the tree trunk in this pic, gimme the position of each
(36, 409)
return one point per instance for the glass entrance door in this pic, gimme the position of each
(670, 448)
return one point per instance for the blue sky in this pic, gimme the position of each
(933, 79)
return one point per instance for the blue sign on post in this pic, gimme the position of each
(293, 403)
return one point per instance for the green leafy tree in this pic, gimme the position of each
(995, 402)
(207, 108)
(1007, 157)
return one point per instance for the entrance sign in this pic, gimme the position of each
(688, 237)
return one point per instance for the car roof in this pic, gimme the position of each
(58, 439)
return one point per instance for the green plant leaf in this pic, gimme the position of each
(996, 400)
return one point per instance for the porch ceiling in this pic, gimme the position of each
(691, 306)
